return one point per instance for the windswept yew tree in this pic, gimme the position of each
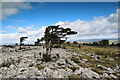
(55, 35)
(21, 40)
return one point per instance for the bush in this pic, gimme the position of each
(104, 43)
(75, 60)
(68, 42)
(75, 42)
(46, 57)
(79, 46)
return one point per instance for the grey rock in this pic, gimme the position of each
(86, 73)
(112, 59)
(79, 71)
(11, 73)
(113, 76)
(105, 75)
(61, 61)
(85, 60)
(63, 73)
(72, 63)
(1, 62)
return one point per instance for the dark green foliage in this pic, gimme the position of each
(95, 44)
(75, 60)
(21, 40)
(104, 43)
(75, 42)
(112, 44)
(55, 35)
(46, 57)
(79, 46)
(68, 42)
(118, 44)
(85, 44)
(16, 44)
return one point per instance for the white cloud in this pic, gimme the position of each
(2, 31)
(10, 27)
(11, 8)
(29, 28)
(33, 25)
(13, 38)
(99, 27)
(21, 30)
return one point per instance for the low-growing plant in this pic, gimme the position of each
(39, 66)
(75, 60)
(100, 52)
(46, 58)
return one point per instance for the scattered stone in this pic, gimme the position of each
(113, 76)
(89, 74)
(105, 75)
(112, 59)
(72, 63)
(61, 61)
(85, 60)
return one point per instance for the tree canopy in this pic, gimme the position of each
(55, 35)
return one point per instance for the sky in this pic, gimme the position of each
(91, 20)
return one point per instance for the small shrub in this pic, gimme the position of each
(75, 42)
(46, 57)
(64, 47)
(75, 60)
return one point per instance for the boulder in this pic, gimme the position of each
(105, 75)
(85, 60)
(63, 73)
(72, 63)
(79, 71)
(86, 73)
(1, 62)
(61, 61)
(11, 73)
(113, 76)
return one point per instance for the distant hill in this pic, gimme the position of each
(115, 40)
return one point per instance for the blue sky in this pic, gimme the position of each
(44, 14)
(90, 19)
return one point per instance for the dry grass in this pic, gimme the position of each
(105, 54)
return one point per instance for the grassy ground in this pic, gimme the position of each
(105, 53)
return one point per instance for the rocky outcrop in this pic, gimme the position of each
(22, 64)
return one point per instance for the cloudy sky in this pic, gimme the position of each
(91, 20)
